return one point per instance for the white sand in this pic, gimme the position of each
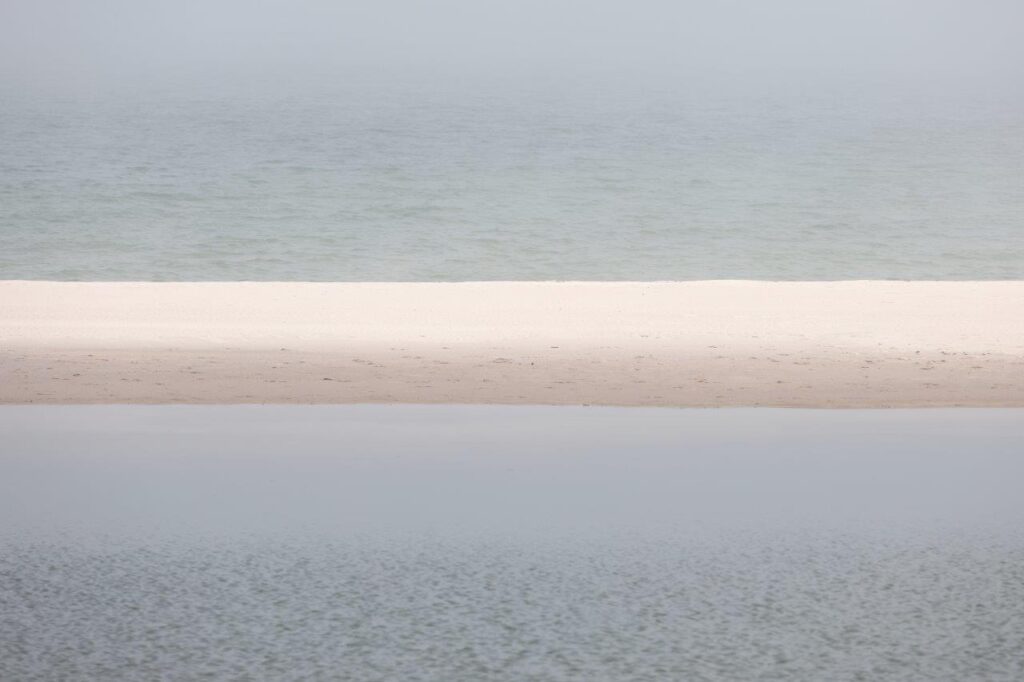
(663, 343)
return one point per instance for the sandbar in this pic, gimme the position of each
(687, 344)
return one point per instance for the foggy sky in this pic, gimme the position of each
(86, 40)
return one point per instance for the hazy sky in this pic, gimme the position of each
(84, 40)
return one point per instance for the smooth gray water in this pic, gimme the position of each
(482, 180)
(510, 543)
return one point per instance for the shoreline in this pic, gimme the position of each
(671, 344)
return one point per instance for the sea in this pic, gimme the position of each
(357, 179)
(454, 543)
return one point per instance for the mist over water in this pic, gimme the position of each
(474, 140)
(459, 140)
(475, 180)
(510, 543)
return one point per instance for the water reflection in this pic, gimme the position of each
(419, 542)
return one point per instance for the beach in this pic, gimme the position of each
(687, 344)
(463, 341)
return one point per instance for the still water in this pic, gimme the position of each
(510, 543)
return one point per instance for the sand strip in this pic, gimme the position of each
(810, 344)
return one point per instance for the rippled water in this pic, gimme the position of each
(483, 181)
(838, 607)
(468, 543)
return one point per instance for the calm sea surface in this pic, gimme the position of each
(483, 181)
(510, 543)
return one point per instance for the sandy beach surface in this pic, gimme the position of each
(714, 343)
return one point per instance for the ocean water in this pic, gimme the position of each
(479, 180)
(510, 543)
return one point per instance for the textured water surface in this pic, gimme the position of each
(468, 543)
(348, 181)
(880, 606)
